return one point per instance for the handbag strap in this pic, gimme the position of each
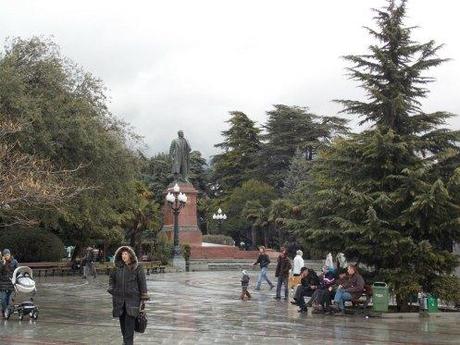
(142, 307)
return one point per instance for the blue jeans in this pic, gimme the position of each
(340, 297)
(262, 276)
(282, 280)
(5, 299)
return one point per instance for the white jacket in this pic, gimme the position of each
(298, 264)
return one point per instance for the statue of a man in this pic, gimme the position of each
(179, 152)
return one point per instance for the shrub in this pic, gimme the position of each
(186, 251)
(32, 245)
(162, 249)
(447, 288)
(219, 239)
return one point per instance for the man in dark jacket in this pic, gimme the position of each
(282, 273)
(309, 282)
(263, 260)
(128, 287)
(7, 266)
(351, 289)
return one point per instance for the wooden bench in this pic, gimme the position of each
(153, 267)
(51, 269)
(149, 267)
(364, 299)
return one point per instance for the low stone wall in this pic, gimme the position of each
(226, 252)
(239, 264)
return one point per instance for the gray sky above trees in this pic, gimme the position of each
(186, 64)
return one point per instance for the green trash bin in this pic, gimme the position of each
(380, 297)
(432, 304)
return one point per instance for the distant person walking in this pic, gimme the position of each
(89, 266)
(128, 287)
(282, 273)
(263, 260)
(7, 266)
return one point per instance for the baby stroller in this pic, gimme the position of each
(23, 284)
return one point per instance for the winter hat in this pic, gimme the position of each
(245, 273)
(6, 252)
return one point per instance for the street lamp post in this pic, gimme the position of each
(176, 200)
(220, 217)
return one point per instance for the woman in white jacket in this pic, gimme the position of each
(298, 263)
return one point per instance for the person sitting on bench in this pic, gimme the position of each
(308, 284)
(351, 289)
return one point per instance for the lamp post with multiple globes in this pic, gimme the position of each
(176, 201)
(220, 217)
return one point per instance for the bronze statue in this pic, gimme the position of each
(179, 152)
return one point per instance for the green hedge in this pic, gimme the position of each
(218, 239)
(32, 245)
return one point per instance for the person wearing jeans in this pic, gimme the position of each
(282, 273)
(263, 260)
(353, 287)
(341, 296)
(7, 266)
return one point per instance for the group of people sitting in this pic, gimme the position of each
(328, 291)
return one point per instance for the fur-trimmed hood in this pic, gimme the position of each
(119, 262)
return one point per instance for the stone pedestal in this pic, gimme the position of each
(178, 262)
(188, 222)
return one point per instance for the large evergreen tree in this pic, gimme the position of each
(237, 163)
(388, 197)
(291, 129)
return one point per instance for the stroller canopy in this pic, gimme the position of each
(23, 279)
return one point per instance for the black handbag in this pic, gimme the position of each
(141, 320)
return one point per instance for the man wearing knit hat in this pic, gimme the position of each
(7, 266)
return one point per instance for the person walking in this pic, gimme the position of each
(128, 287)
(263, 260)
(89, 265)
(282, 273)
(7, 266)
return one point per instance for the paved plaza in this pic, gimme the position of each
(203, 308)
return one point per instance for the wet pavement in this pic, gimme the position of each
(203, 308)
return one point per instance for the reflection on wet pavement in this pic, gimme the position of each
(203, 308)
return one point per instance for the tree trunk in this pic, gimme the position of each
(280, 237)
(75, 252)
(402, 304)
(253, 236)
(266, 237)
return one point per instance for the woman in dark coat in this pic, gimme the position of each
(7, 266)
(128, 288)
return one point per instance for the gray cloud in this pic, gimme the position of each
(185, 64)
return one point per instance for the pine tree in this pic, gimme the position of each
(388, 197)
(237, 163)
(290, 129)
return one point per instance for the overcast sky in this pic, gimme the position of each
(172, 65)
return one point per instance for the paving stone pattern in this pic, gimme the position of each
(203, 308)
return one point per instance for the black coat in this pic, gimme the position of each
(283, 266)
(6, 273)
(127, 285)
(311, 279)
(263, 260)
